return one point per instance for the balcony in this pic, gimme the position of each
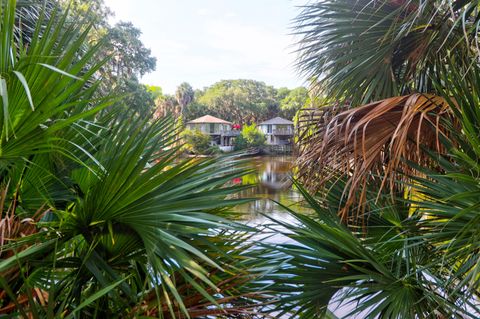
(282, 132)
(223, 132)
(230, 133)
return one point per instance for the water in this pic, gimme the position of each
(273, 183)
(272, 176)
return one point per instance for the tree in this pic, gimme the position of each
(93, 11)
(292, 102)
(195, 110)
(166, 105)
(404, 44)
(184, 95)
(155, 91)
(138, 97)
(250, 136)
(282, 93)
(240, 100)
(197, 142)
(129, 55)
(127, 59)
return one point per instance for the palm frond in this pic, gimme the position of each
(370, 50)
(371, 142)
(386, 269)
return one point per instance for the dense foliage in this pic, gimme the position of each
(237, 101)
(250, 136)
(197, 142)
(395, 180)
(100, 216)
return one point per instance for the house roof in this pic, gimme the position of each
(209, 119)
(276, 120)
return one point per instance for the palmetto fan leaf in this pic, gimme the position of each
(235, 293)
(42, 86)
(386, 269)
(150, 219)
(450, 200)
(369, 50)
(147, 205)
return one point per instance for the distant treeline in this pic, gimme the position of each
(238, 101)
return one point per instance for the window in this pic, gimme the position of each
(212, 128)
(269, 128)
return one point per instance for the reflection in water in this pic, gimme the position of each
(272, 183)
(272, 179)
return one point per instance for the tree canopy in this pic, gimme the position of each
(245, 101)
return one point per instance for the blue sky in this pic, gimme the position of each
(204, 41)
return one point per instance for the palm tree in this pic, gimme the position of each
(391, 50)
(184, 96)
(393, 234)
(366, 50)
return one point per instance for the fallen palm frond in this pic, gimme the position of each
(12, 226)
(373, 141)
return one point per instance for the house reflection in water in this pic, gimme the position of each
(273, 182)
(276, 175)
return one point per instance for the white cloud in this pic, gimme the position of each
(230, 15)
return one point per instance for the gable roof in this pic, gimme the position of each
(277, 120)
(209, 119)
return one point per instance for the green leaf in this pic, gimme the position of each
(87, 302)
(25, 86)
(51, 67)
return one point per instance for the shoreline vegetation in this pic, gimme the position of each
(102, 216)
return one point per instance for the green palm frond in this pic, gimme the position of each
(125, 216)
(45, 86)
(385, 269)
(364, 51)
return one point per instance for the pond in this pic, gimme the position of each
(272, 180)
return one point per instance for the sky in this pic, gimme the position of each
(205, 41)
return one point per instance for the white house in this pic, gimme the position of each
(220, 131)
(278, 131)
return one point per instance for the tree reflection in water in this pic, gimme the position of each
(273, 183)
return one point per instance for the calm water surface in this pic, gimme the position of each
(272, 181)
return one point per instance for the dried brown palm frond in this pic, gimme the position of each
(12, 226)
(371, 142)
(310, 120)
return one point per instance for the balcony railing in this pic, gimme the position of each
(222, 132)
(230, 133)
(282, 132)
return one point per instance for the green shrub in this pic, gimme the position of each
(251, 136)
(240, 143)
(197, 142)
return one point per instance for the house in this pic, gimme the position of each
(278, 131)
(220, 131)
